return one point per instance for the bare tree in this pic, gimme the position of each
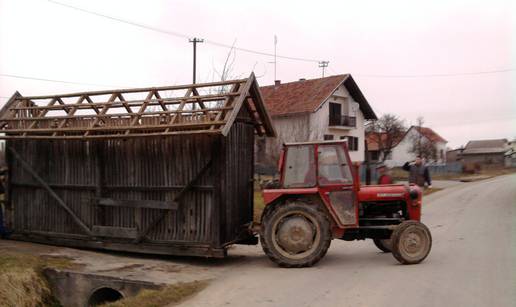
(387, 131)
(420, 145)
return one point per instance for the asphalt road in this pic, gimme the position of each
(472, 262)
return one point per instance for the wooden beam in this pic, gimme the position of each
(143, 89)
(177, 198)
(103, 111)
(70, 114)
(228, 102)
(132, 103)
(119, 128)
(59, 200)
(115, 232)
(40, 114)
(147, 204)
(236, 106)
(115, 115)
(140, 112)
(107, 136)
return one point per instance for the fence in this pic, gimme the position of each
(453, 167)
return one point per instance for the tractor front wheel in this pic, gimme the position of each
(411, 242)
(383, 244)
(296, 233)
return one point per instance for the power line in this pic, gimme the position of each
(440, 74)
(57, 81)
(182, 35)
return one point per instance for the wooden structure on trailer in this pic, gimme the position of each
(165, 170)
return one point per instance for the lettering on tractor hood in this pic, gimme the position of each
(389, 194)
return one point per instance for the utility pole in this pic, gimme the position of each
(275, 43)
(323, 65)
(195, 40)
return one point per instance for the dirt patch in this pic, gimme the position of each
(167, 296)
(22, 280)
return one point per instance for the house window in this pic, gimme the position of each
(335, 114)
(328, 137)
(352, 143)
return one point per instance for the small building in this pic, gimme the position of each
(486, 152)
(327, 108)
(163, 170)
(454, 155)
(401, 151)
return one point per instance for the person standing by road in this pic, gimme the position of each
(418, 173)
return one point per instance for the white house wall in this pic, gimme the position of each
(400, 153)
(319, 121)
(313, 126)
(288, 129)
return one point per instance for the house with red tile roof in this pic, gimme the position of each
(327, 108)
(400, 153)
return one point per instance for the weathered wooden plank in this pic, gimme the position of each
(115, 232)
(143, 89)
(148, 204)
(61, 203)
(108, 136)
(134, 103)
(119, 128)
(177, 198)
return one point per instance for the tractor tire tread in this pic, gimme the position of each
(326, 236)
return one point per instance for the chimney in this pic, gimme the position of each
(277, 82)
(302, 79)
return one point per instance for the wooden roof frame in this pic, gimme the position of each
(30, 117)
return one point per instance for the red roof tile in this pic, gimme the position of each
(430, 134)
(305, 96)
(373, 144)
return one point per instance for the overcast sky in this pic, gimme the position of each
(397, 51)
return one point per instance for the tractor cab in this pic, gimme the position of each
(319, 198)
(305, 165)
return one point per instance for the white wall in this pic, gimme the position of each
(288, 129)
(400, 153)
(314, 126)
(319, 121)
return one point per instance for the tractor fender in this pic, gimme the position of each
(269, 196)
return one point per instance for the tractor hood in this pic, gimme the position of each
(388, 192)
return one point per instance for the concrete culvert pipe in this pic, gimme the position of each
(103, 296)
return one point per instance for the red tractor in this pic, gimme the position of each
(319, 198)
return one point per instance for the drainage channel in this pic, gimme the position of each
(75, 289)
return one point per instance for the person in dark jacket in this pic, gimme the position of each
(418, 173)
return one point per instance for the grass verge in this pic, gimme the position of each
(258, 205)
(157, 298)
(22, 281)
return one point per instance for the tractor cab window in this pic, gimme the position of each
(299, 167)
(333, 165)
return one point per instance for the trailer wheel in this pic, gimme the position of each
(383, 244)
(295, 234)
(411, 242)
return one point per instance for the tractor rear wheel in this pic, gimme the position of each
(411, 242)
(295, 234)
(383, 244)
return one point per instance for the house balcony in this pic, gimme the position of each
(342, 121)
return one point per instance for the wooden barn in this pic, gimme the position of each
(163, 170)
